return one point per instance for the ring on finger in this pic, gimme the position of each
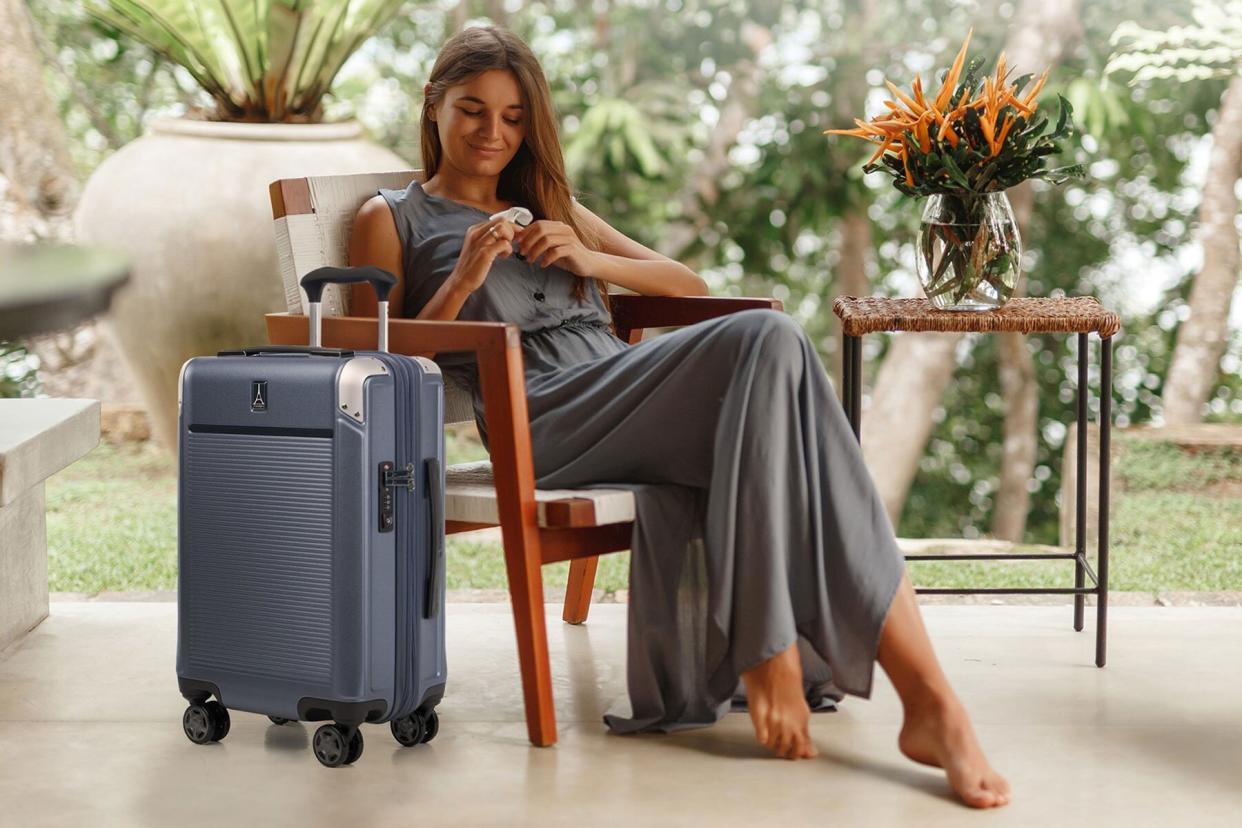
(491, 231)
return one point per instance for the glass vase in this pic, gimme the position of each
(969, 251)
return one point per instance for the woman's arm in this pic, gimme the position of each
(374, 241)
(625, 262)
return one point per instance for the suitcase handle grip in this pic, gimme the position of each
(315, 281)
(289, 349)
(436, 490)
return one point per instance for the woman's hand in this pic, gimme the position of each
(557, 244)
(483, 243)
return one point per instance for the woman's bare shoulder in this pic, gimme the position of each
(375, 229)
(375, 215)
(374, 241)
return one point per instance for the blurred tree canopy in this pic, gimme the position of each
(695, 127)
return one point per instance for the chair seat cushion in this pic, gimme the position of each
(470, 495)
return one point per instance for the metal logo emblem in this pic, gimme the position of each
(258, 396)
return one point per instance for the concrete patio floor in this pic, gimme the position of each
(90, 734)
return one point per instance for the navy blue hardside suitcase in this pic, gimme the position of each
(311, 537)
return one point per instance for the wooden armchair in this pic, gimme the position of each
(313, 217)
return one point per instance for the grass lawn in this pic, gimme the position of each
(1176, 526)
(112, 525)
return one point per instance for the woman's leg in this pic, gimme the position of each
(654, 413)
(936, 731)
(777, 706)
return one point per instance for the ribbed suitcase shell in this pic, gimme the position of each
(291, 600)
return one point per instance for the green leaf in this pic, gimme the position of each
(1063, 118)
(638, 140)
(1063, 174)
(616, 150)
(284, 26)
(357, 21)
(955, 172)
(173, 30)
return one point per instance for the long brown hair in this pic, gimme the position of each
(535, 178)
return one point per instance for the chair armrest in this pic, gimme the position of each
(405, 336)
(634, 312)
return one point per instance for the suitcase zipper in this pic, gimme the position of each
(405, 564)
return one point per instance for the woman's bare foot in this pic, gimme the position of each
(940, 734)
(778, 705)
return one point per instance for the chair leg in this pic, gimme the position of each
(526, 595)
(578, 590)
(504, 401)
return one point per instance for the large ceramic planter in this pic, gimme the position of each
(188, 202)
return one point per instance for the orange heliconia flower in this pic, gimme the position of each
(920, 120)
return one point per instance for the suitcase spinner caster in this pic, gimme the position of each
(417, 728)
(337, 744)
(205, 722)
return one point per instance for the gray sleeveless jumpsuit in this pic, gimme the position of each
(757, 524)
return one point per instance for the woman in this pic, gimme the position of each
(761, 550)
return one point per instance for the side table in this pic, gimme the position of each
(1082, 315)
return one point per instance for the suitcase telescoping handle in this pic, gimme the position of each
(315, 281)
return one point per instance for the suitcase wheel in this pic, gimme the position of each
(433, 725)
(416, 728)
(277, 720)
(205, 723)
(337, 744)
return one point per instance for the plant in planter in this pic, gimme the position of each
(963, 147)
(188, 201)
(260, 60)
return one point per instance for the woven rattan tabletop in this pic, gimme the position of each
(1076, 314)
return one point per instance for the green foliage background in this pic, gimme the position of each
(640, 86)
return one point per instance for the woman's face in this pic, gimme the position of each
(481, 123)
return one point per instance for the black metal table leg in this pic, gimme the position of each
(847, 345)
(852, 380)
(856, 388)
(1080, 490)
(1106, 422)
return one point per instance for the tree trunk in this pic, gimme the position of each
(1201, 338)
(919, 366)
(34, 154)
(1021, 437)
(856, 236)
(896, 428)
(1021, 393)
(496, 11)
(856, 246)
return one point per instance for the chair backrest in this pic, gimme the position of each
(313, 218)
